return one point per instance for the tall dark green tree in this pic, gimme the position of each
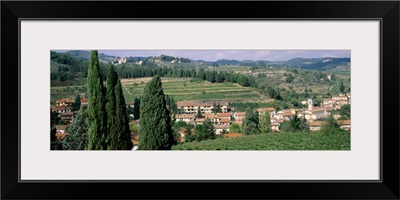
(97, 117)
(136, 109)
(199, 115)
(123, 139)
(155, 124)
(345, 111)
(111, 106)
(341, 87)
(250, 123)
(77, 103)
(118, 133)
(265, 123)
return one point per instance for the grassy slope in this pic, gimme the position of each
(274, 141)
(193, 90)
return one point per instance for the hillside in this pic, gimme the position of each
(326, 63)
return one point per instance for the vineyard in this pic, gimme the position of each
(274, 141)
(184, 89)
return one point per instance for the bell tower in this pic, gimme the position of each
(310, 104)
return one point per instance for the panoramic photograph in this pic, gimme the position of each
(200, 100)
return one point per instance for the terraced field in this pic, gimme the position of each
(186, 89)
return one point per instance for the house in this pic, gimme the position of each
(135, 140)
(340, 97)
(212, 117)
(261, 111)
(61, 136)
(239, 116)
(68, 116)
(314, 113)
(61, 109)
(205, 107)
(84, 102)
(129, 104)
(224, 121)
(61, 128)
(315, 125)
(199, 121)
(284, 114)
(275, 126)
(225, 115)
(185, 117)
(344, 124)
(65, 102)
(220, 128)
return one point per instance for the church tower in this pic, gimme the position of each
(310, 104)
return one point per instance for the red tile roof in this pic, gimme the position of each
(224, 114)
(61, 135)
(343, 122)
(185, 116)
(224, 120)
(241, 113)
(316, 123)
(67, 114)
(200, 120)
(61, 127)
(221, 126)
(200, 103)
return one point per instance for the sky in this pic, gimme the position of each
(213, 55)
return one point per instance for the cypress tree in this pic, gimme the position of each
(96, 106)
(124, 134)
(136, 109)
(155, 123)
(199, 115)
(111, 109)
(250, 123)
(266, 123)
(77, 103)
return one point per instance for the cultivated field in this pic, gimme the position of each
(274, 141)
(190, 89)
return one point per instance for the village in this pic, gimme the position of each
(227, 116)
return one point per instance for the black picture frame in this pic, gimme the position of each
(386, 11)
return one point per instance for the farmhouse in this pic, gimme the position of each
(315, 126)
(64, 102)
(205, 107)
(239, 116)
(275, 126)
(314, 113)
(344, 124)
(135, 140)
(185, 117)
(129, 104)
(61, 128)
(61, 109)
(68, 116)
(261, 111)
(224, 121)
(225, 115)
(199, 121)
(212, 117)
(220, 128)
